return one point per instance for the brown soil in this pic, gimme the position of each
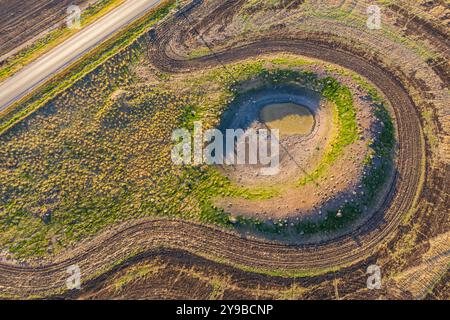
(174, 274)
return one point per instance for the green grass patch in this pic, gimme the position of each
(347, 125)
(199, 52)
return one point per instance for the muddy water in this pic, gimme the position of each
(289, 118)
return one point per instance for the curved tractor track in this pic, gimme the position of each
(96, 256)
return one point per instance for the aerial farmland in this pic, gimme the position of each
(225, 149)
